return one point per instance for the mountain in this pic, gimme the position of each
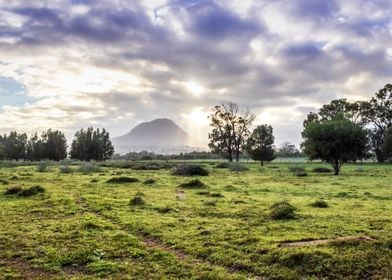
(155, 136)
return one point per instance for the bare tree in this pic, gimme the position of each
(230, 129)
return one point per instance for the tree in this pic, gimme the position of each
(378, 115)
(387, 145)
(259, 144)
(337, 109)
(335, 141)
(54, 145)
(14, 146)
(92, 145)
(230, 129)
(287, 149)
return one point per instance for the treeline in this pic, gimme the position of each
(339, 132)
(145, 155)
(87, 145)
(373, 116)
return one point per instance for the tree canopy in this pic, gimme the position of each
(335, 141)
(260, 144)
(91, 144)
(230, 129)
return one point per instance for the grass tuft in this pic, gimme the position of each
(193, 184)
(122, 180)
(319, 203)
(190, 170)
(282, 210)
(31, 191)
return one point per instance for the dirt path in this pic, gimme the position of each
(316, 242)
(154, 243)
(25, 270)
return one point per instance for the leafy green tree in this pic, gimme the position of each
(335, 141)
(378, 115)
(55, 145)
(289, 150)
(92, 144)
(339, 108)
(387, 145)
(260, 144)
(230, 129)
(2, 152)
(14, 146)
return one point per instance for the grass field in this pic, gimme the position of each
(87, 226)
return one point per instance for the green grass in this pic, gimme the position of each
(82, 227)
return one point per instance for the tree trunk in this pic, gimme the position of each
(336, 167)
(261, 162)
(230, 157)
(380, 156)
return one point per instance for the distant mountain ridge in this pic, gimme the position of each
(153, 136)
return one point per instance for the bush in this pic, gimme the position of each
(42, 167)
(31, 191)
(230, 188)
(65, 169)
(149, 181)
(216, 195)
(300, 173)
(209, 203)
(193, 184)
(322, 170)
(122, 180)
(137, 200)
(4, 182)
(190, 170)
(89, 168)
(282, 210)
(223, 165)
(297, 168)
(13, 190)
(238, 168)
(320, 203)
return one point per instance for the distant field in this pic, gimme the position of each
(87, 224)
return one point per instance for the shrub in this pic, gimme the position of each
(65, 169)
(223, 165)
(297, 168)
(322, 170)
(216, 195)
(137, 200)
(282, 210)
(300, 173)
(203, 193)
(320, 203)
(230, 188)
(89, 168)
(31, 191)
(209, 203)
(122, 180)
(190, 170)
(149, 181)
(193, 184)
(42, 167)
(147, 166)
(4, 182)
(13, 190)
(238, 168)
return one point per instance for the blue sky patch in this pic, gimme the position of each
(12, 93)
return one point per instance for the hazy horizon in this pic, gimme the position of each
(114, 64)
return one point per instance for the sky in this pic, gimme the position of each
(113, 64)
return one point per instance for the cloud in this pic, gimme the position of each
(117, 63)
